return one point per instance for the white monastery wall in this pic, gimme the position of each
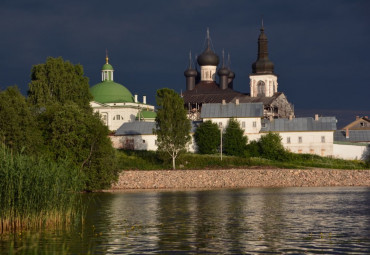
(249, 125)
(347, 151)
(315, 142)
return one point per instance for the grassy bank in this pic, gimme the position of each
(36, 193)
(148, 160)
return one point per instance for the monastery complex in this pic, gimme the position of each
(209, 95)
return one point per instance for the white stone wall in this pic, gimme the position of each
(144, 142)
(270, 87)
(348, 151)
(208, 73)
(312, 142)
(251, 126)
(112, 120)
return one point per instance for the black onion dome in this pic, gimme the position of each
(231, 74)
(263, 64)
(190, 72)
(208, 58)
(223, 71)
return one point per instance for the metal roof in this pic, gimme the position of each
(145, 128)
(299, 124)
(136, 128)
(242, 110)
(354, 136)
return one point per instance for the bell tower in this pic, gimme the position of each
(263, 81)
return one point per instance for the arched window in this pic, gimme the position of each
(261, 88)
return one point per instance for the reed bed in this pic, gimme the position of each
(37, 192)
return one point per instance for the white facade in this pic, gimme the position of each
(351, 151)
(263, 85)
(251, 126)
(208, 73)
(311, 142)
(115, 114)
(143, 142)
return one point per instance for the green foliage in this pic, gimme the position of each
(234, 141)
(36, 191)
(253, 149)
(208, 138)
(172, 125)
(271, 147)
(58, 81)
(79, 135)
(367, 157)
(18, 127)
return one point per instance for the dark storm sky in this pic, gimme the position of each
(321, 49)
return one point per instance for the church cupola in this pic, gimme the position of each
(208, 62)
(263, 81)
(190, 75)
(107, 70)
(263, 64)
(223, 73)
(231, 77)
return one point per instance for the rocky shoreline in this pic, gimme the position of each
(239, 178)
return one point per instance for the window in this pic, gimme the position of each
(323, 139)
(254, 124)
(155, 142)
(243, 124)
(300, 139)
(322, 152)
(118, 117)
(263, 125)
(288, 140)
(143, 141)
(362, 124)
(220, 124)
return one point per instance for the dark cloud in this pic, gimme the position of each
(320, 48)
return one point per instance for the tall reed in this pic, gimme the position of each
(37, 192)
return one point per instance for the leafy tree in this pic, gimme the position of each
(207, 137)
(172, 125)
(271, 147)
(18, 127)
(234, 141)
(78, 135)
(58, 81)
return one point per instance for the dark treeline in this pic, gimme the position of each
(55, 121)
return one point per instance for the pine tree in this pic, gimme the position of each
(234, 141)
(208, 138)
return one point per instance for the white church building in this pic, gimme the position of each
(115, 103)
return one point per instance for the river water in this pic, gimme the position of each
(330, 220)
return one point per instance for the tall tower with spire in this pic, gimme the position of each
(208, 62)
(263, 81)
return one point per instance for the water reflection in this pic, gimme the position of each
(279, 220)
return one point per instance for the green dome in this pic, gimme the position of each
(111, 92)
(107, 67)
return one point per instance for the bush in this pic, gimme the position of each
(253, 149)
(234, 141)
(272, 148)
(208, 138)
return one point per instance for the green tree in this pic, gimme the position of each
(18, 127)
(271, 147)
(234, 141)
(208, 138)
(78, 135)
(58, 81)
(172, 125)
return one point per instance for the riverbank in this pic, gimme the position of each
(239, 178)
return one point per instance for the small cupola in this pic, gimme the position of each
(107, 70)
